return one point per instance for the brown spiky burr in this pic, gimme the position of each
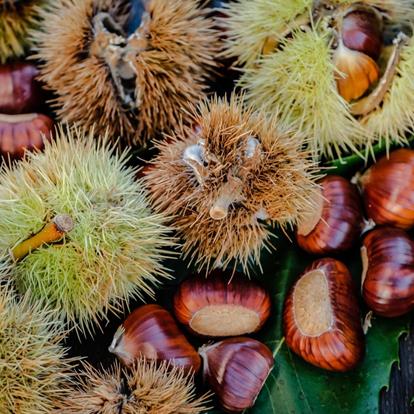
(145, 388)
(137, 84)
(226, 177)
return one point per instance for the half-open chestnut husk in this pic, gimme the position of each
(388, 273)
(322, 318)
(335, 224)
(221, 305)
(151, 332)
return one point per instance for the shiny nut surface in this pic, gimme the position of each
(322, 319)
(388, 189)
(236, 370)
(19, 133)
(388, 275)
(337, 225)
(221, 305)
(150, 331)
(19, 91)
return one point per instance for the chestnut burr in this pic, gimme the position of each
(221, 305)
(236, 370)
(151, 332)
(388, 189)
(335, 224)
(19, 133)
(321, 317)
(388, 273)
(19, 90)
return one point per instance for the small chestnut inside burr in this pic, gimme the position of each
(221, 305)
(335, 224)
(388, 272)
(322, 319)
(151, 332)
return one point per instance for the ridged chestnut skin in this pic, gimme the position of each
(151, 332)
(19, 90)
(388, 190)
(341, 347)
(221, 305)
(19, 133)
(340, 224)
(388, 282)
(236, 370)
(361, 31)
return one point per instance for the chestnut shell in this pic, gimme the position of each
(221, 305)
(388, 280)
(341, 347)
(388, 190)
(341, 220)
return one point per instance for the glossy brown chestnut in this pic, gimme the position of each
(221, 305)
(19, 90)
(236, 370)
(151, 332)
(388, 274)
(19, 133)
(321, 317)
(388, 190)
(336, 224)
(362, 31)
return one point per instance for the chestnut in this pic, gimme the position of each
(19, 133)
(221, 305)
(321, 317)
(362, 31)
(151, 332)
(20, 92)
(359, 46)
(388, 271)
(236, 370)
(336, 224)
(388, 189)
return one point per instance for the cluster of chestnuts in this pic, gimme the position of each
(22, 126)
(79, 238)
(216, 307)
(321, 317)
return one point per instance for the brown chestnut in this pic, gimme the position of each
(336, 224)
(151, 332)
(359, 45)
(362, 31)
(221, 305)
(321, 317)
(388, 273)
(20, 92)
(19, 133)
(388, 189)
(236, 370)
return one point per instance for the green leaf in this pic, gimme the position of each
(296, 387)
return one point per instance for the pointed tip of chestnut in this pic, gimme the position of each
(388, 273)
(236, 370)
(221, 305)
(387, 189)
(335, 225)
(322, 319)
(151, 332)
